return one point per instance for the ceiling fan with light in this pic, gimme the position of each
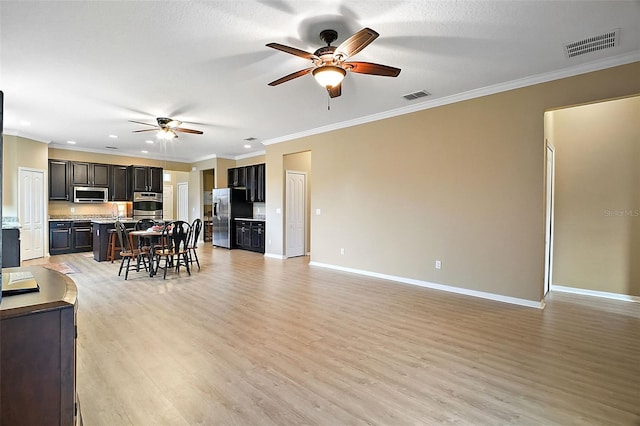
(329, 62)
(166, 128)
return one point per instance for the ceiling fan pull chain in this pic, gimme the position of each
(328, 101)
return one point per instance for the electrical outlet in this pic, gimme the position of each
(341, 251)
(438, 264)
(73, 209)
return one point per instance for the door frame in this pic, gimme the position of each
(549, 216)
(44, 211)
(304, 216)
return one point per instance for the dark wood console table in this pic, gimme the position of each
(38, 353)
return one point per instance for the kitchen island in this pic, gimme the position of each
(100, 229)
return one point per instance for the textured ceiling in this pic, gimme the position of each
(80, 70)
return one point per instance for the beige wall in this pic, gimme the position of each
(462, 183)
(597, 196)
(65, 154)
(19, 152)
(301, 162)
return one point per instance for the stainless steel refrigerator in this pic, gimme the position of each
(228, 204)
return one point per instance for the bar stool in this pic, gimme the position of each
(112, 245)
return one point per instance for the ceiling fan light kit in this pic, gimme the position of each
(329, 76)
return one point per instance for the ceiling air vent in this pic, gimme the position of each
(593, 44)
(111, 147)
(250, 139)
(416, 95)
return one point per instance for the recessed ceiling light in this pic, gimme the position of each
(150, 142)
(247, 146)
(144, 151)
(71, 142)
(25, 123)
(113, 136)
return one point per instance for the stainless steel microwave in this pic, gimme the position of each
(86, 194)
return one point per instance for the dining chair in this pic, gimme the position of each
(173, 247)
(128, 252)
(192, 245)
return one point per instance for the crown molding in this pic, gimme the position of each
(471, 94)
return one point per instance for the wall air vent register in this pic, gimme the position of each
(593, 44)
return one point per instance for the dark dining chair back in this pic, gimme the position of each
(174, 240)
(196, 228)
(128, 252)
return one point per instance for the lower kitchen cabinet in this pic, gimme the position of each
(250, 235)
(60, 237)
(67, 236)
(82, 239)
(10, 248)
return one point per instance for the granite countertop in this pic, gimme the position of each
(10, 223)
(250, 219)
(93, 219)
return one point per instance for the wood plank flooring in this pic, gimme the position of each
(255, 341)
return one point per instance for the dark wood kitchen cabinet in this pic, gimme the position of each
(257, 236)
(250, 235)
(67, 236)
(38, 353)
(81, 237)
(89, 174)
(146, 179)
(59, 237)
(59, 180)
(252, 178)
(120, 184)
(237, 177)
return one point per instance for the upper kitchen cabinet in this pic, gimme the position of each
(89, 174)
(119, 188)
(237, 177)
(146, 179)
(59, 180)
(255, 183)
(252, 178)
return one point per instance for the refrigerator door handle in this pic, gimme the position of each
(215, 208)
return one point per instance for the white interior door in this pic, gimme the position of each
(31, 213)
(296, 190)
(167, 202)
(548, 236)
(183, 201)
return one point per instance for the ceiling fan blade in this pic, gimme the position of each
(335, 91)
(356, 42)
(182, 129)
(140, 122)
(291, 76)
(292, 50)
(146, 130)
(373, 69)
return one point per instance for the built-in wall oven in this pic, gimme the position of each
(147, 205)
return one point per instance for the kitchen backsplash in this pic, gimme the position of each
(62, 209)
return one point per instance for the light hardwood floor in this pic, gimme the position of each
(256, 341)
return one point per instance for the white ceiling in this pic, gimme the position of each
(80, 70)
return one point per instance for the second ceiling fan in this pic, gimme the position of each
(330, 64)
(166, 128)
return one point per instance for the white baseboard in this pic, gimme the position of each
(450, 289)
(603, 294)
(274, 256)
